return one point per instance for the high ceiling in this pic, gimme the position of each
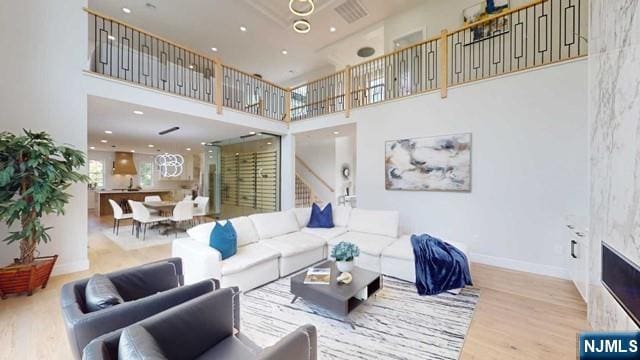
(203, 24)
(136, 132)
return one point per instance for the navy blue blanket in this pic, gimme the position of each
(439, 266)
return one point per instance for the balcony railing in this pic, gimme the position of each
(131, 54)
(540, 33)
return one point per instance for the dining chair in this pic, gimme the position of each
(201, 207)
(118, 215)
(142, 217)
(182, 212)
(153, 198)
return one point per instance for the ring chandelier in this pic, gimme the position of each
(301, 26)
(170, 165)
(301, 13)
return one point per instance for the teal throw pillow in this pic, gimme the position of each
(224, 239)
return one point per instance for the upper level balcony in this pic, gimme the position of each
(537, 34)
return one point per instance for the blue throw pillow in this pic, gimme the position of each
(321, 218)
(224, 239)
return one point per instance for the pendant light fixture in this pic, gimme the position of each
(170, 165)
(298, 12)
(301, 26)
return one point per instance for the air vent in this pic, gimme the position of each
(351, 11)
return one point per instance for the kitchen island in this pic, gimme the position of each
(122, 196)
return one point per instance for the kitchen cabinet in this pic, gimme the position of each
(577, 239)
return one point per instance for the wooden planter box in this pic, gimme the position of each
(19, 279)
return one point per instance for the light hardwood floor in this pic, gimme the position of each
(519, 315)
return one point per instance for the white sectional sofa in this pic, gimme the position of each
(275, 245)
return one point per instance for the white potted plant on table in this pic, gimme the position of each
(345, 253)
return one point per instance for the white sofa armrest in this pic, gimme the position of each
(199, 260)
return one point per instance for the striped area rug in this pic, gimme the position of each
(396, 324)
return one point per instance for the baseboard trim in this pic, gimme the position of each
(548, 270)
(70, 267)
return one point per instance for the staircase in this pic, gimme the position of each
(305, 196)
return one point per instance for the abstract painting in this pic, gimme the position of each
(438, 163)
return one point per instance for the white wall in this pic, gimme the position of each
(529, 164)
(431, 17)
(319, 155)
(45, 47)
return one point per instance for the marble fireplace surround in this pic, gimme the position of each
(614, 108)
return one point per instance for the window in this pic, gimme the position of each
(146, 174)
(96, 172)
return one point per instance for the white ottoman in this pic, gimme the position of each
(398, 261)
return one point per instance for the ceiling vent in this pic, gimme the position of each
(351, 11)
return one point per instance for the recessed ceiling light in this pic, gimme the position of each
(243, 28)
(108, 132)
(150, 145)
(133, 151)
(284, 52)
(237, 154)
(103, 141)
(332, 29)
(92, 147)
(111, 37)
(336, 132)
(252, 132)
(126, 10)
(188, 149)
(203, 143)
(269, 143)
(138, 112)
(190, 66)
(214, 49)
(210, 151)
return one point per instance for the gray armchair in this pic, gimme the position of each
(146, 290)
(206, 328)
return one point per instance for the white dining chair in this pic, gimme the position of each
(201, 207)
(182, 213)
(142, 218)
(153, 198)
(118, 215)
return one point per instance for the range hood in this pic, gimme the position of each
(124, 165)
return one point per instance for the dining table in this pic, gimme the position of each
(165, 208)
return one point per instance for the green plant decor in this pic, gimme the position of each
(345, 251)
(34, 176)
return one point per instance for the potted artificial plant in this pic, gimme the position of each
(35, 174)
(345, 253)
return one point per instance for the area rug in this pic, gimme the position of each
(126, 241)
(396, 324)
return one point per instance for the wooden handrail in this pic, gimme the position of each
(315, 174)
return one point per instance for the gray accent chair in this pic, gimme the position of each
(208, 328)
(146, 289)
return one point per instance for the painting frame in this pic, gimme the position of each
(436, 163)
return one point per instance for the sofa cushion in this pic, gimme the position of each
(302, 215)
(321, 218)
(378, 222)
(137, 344)
(274, 224)
(248, 256)
(371, 244)
(402, 249)
(294, 243)
(245, 231)
(223, 238)
(100, 293)
(326, 234)
(341, 215)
